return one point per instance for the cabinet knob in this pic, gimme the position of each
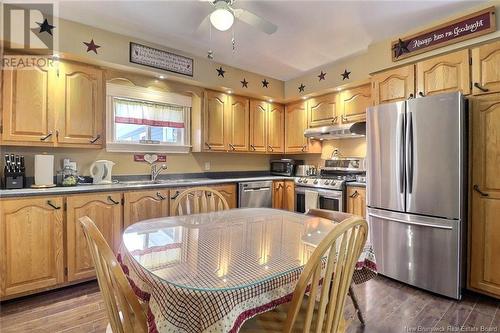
(421, 94)
(45, 137)
(478, 86)
(411, 96)
(93, 140)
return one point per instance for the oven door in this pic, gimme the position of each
(328, 199)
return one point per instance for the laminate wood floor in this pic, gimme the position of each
(389, 307)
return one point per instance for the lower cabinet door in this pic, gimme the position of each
(31, 245)
(289, 195)
(278, 190)
(106, 211)
(228, 191)
(144, 205)
(356, 201)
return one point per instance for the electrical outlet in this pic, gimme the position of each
(207, 166)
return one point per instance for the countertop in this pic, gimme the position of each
(124, 186)
(358, 184)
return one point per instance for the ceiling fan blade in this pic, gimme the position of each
(255, 21)
(204, 25)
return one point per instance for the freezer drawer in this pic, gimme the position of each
(421, 251)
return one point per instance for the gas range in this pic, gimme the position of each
(330, 183)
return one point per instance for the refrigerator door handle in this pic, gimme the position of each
(409, 222)
(409, 153)
(402, 155)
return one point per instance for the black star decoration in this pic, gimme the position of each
(265, 83)
(45, 27)
(400, 48)
(302, 87)
(244, 83)
(220, 71)
(345, 75)
(321, 76)
(91, 46)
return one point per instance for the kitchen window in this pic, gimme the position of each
(145, 120)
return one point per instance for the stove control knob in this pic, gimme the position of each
(327, 182)
(299, 180)
(304, 181)
(315, 181)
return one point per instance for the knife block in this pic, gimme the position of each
(13, 180)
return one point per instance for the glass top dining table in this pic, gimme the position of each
(224, 250)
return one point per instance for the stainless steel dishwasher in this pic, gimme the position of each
(255, 194)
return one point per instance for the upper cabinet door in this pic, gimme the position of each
(258, 125)
(446, 73)
(31, 244)
(394, 85)
(28, 105)
(486, 68)
(323, 110)
(276, 128)
(238, 121)
(80, 104)
(353, 103)
(295, 125)
(214, 121)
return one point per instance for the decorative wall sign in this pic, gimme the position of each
(151, 57)
(150, 158)
(466, 27)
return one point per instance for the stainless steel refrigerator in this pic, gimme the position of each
(416, 190)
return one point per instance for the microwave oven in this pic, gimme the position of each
(284, 167)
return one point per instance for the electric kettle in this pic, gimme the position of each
(100, 171)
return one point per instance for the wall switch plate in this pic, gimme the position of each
(207, 166)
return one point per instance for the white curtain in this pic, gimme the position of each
(151, 114)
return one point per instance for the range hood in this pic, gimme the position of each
(344, 131)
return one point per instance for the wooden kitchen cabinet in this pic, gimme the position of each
(356, 200)
(42, 108)
(449, 72)
(238, 123)
(214, 120)
(322, 110)
(105, 210)
(295, 125)
(289, 195)
(278, 191)
(143, 205)
(79, 104)
(393, 85)
(228, 191)
(353, 103)
(31, 245)
(484, 225)
(258, 125)
(276, 128)
(28, 105)
(486, 69)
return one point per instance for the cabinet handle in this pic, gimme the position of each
(175, 195)
(253, 147)
(270, 148)
(43, 138)
(209, 146)
(304, 148)
(52, 205)
(158, 194)
(98, 136)
(478, 190)
(411, 96)
(334, 120)
(113, 201)
(421, 94)
(354, 195)
(232, 147)
(478, 86)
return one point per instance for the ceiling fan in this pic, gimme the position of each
(223, 15)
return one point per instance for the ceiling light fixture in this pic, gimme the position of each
(162, 77)
(222, 18)
(229, 92)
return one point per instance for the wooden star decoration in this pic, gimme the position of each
(302, 87)
(265, 83)
(244, 83)
(400, 48)
(321, 76)
(345, 75)
(220, 71)
(91, 46)
(45, 27)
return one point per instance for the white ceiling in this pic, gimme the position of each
(310, 33)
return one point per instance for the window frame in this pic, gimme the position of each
(114, 90)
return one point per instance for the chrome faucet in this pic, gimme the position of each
(155, 171)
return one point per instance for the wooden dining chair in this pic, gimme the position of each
(199, 200)
(339, 217)
(343, 245)
(126, 315)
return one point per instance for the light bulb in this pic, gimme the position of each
(222, 19)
